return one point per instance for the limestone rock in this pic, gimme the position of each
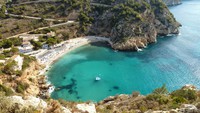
(19, 60)
(89, 108)
(189, 87)
(65, 110)
(29, 101)
(188, 108)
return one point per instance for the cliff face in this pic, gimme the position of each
(172, 2)
(132, 24)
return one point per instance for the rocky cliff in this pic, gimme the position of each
(133, 24)
(172, 2)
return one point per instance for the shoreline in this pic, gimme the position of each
(70, 45)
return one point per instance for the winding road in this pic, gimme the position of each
(31, 17)
(55, 25)
(43, 1)
(38, 1)
(47, 19)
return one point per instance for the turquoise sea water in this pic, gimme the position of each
(174, 61)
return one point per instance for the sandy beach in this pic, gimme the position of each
(48, 57)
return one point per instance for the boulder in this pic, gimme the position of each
(188, 108)
(89, 108)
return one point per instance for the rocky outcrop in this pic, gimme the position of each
(132, 25)
(185, 108)
(172, 2)
(88, 108)
(154, 103)
(30, 76)
(30, 104)
(28, 101)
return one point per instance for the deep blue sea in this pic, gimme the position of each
(174, 61)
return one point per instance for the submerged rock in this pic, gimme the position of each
(115, 87)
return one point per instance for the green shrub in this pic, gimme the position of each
(11, 52)
(187, 94)
(2, 11)
(161, 99)
(37, 45)
(16, 41)
(6, 43)
(6, 90)
(2, 56)
(143, 109)
(51, 41)
(177, 100)
(1, 34)
(21, 87)
(27, 61)
(84, 20)
(42, 38)
(9, 68)
(153, 97)
(65, 35)
(161, 90)
(174, 106)
(18, 73)
(7, 53)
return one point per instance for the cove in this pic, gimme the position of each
(174, 61)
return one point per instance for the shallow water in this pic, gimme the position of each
(174, 61)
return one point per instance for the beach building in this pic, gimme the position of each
(45, 46)
(26, 46)
(29, 37)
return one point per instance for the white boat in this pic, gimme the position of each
(97, 78)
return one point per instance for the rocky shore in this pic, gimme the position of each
(172, 2)
(38, 84)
